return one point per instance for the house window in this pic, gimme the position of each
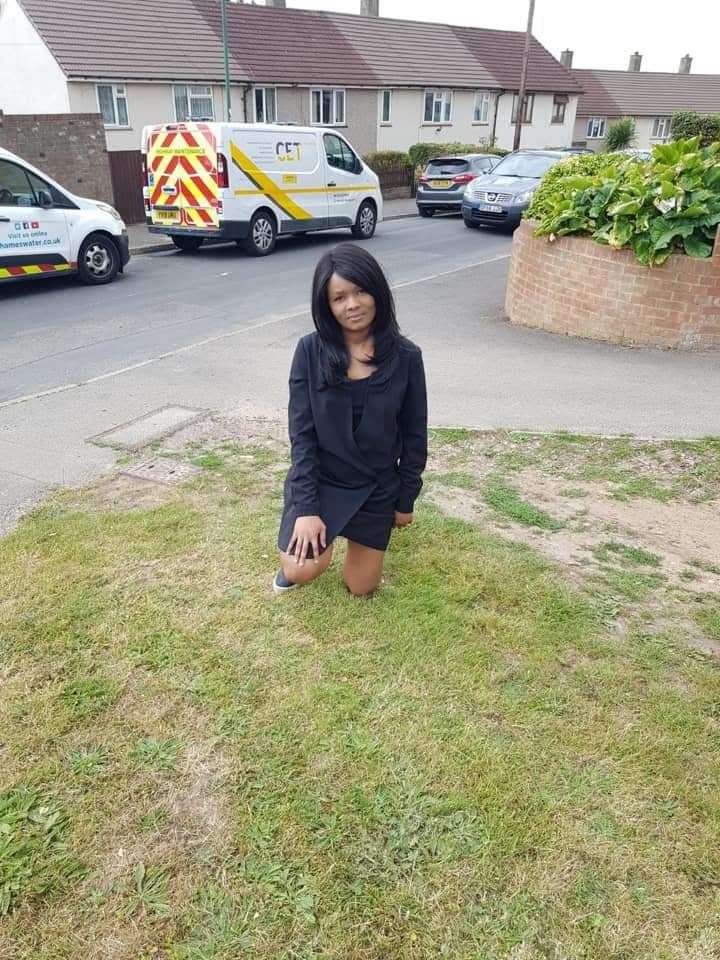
(559, 104)
(595, 128)
(193, 102)
(660, 128)
(438, 106)
(481, 112)
(528, 107)
(327, 107)
(386, 106)
(265, 105)
(112, 103)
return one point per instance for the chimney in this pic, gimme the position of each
(279, 4)
(635, 62)
(369, 8)
(685, 64)
(566, 58)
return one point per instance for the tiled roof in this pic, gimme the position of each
(180, 39)
(619, 93)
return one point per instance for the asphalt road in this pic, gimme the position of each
(216, 329)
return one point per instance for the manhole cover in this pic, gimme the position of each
(162, 470)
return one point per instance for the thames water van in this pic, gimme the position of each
(46, 231)
(250, 182)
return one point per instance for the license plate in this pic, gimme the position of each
(170, 215)
(490, 208)
(440, 184)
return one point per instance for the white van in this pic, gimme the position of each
(249, 182)
(46, 231)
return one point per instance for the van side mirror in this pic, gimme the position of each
(44, 199)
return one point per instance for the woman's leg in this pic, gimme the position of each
(363, 569)
(309, 570)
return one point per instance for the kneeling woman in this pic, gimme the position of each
(358, 427)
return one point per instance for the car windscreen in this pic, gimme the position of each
(446, 168)
(524, 165)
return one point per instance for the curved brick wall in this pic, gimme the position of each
(582, 288)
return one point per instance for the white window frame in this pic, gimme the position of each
(660, 123)
(443, 97)
(188, 87)
(119, 92)
(338, 117)
(595, 129)
(529, 99)
(383, 122)
(263, 91)
(481, 108)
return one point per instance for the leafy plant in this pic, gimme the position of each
(149, 891)
(158, 754)
(382, 160)
(552, 187)
(621, 134)
(33, 853)
(669, 203)
(420, 153)
(686, 124)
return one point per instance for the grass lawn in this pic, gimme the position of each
(475, 764)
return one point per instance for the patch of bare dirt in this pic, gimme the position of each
(130, 493)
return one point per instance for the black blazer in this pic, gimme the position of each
(334, 470)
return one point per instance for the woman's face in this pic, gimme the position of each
(352, 307)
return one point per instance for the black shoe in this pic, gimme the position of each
(281, 584)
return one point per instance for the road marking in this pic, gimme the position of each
(273, 319)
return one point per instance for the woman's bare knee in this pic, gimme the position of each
(306, 572)
(360, 587)
(363, 569)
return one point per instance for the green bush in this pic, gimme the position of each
(688, 124)
(387, 160)
(420, 153)
(668, 203)
(552, 186)
(621, 134)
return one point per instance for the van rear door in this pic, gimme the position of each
(182, 176)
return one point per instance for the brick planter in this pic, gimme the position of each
(585, 289)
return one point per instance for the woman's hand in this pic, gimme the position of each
(402, 519)
(308, 532)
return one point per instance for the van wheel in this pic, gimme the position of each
(98, 259)
(262, 235)
(365, 222)
(188, 244)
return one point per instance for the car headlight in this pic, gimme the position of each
(523, 197)
(106, 208)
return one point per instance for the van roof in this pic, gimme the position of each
(269, 127)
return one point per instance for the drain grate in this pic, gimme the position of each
(163, 470)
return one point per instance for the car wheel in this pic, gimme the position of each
(98, 259)
(470, 224)
(365, 222)
(262, 235)
(186, 244)
(426, 211)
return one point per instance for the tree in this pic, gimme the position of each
(621, 134)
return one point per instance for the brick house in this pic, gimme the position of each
(649, 98)
(387, 83)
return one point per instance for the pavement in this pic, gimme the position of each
(215, 331)
(142, 241)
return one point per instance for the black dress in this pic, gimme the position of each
(358, 448)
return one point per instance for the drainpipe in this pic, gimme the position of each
(495, 115)
(246, 90)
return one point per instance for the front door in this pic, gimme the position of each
(33, 236)
(344, 180)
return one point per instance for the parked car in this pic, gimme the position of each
(499, 198)
(46, 231)
(250, 182)
(444, 179)
(636, 154)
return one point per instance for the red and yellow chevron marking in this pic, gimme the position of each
(182, 163)
(33, 268)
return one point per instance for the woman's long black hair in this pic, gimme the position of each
(355, 264)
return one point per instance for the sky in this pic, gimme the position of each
(602, 33)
